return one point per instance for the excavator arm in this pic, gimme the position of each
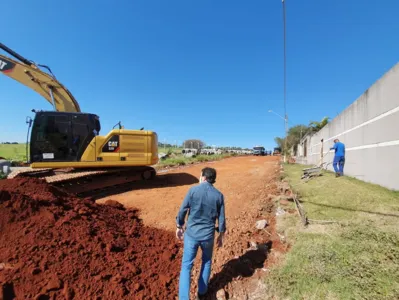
(29, 74)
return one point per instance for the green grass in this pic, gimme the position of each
(15, 152)
(355, 258)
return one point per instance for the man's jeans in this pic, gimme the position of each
(190, 251)
(339, 161)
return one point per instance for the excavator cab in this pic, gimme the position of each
(72, 140)
(62, 136)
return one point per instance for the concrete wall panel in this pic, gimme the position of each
(369, 127)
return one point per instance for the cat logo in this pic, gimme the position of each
(112, 144)
(2, 64)
(6, 65)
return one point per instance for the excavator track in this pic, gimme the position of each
(88, 182)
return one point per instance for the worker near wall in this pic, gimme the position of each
(205, 205)
(339, 157)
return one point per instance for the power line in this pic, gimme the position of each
(285, 60)
(285, 83)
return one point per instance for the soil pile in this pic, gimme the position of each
(56, 246)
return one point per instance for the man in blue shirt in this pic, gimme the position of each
(339, 157)
(204, 204)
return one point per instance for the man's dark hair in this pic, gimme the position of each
(210, 174)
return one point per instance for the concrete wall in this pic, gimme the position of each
(369, 128)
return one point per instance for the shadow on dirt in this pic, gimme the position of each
(244, 266)
(160, 181)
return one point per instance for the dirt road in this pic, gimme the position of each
(239, 179)
(246, 183)
(55, 245)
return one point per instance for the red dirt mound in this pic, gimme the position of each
(55, 246)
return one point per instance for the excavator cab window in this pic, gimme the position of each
(59, 136)
(50, 138)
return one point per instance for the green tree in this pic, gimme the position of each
(280, 142)
(317, 126)
(294, 136)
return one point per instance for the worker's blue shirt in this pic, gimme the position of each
(339, 149)
(204, 204)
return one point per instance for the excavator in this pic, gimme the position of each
(65, 146)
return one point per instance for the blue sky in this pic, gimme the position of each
(208, 69)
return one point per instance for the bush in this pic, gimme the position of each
(202, 158)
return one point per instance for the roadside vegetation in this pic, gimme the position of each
(355, 256)
(296, 133)
(181, 160)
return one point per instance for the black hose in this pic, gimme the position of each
(15, 54)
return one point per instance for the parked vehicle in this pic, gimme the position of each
(277, 151)
(259, 151)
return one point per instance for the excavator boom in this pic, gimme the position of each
(29, 74)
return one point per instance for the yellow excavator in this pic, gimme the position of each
(65, 145)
